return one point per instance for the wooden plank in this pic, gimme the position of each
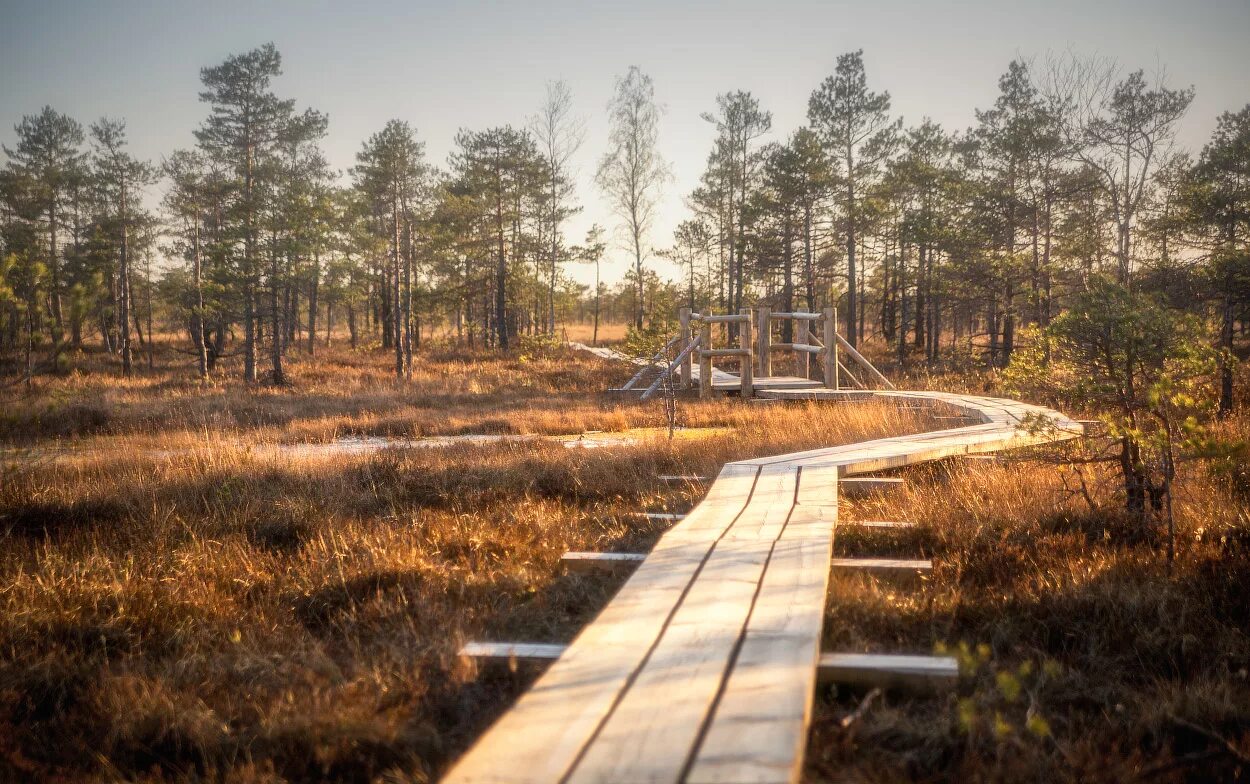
(513, 651)
(746, 367)
(601, 562)
(807, 347)
(705, 361)
(765, 342)
(888, 670)
(861, 486)
(878, 524)
(685, 337)
(687, 478)
(683, 357)
(684, 671)
(864, 363)
(544, 733)
(884, 568)
(858, 669)
(796, 315)
(758, 728)
(773, 382)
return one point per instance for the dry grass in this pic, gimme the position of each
(340, 393)
(608, 333)
(1083, 659)
(225, 613)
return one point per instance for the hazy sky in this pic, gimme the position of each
(444, 66)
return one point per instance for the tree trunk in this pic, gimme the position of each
(852, 312)
(276, 332)
(313, 287)
(501, 278)
(197, 318)
(250, 273)
(123, 283)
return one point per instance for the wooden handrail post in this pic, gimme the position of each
(831, 348)
(745, 370)
(683, 317)
(837, 357)
(765, 342)
(805, 358)
(705, 359)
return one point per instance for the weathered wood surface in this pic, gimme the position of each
(703, 666)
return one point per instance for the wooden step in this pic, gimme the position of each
(855, 669)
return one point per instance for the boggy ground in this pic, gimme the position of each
(213, 612)
(220, 612)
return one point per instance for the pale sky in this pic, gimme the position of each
(444, 66)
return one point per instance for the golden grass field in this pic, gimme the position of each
(180, 605)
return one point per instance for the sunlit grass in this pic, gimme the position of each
(180, 602)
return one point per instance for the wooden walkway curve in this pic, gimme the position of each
(703, 667)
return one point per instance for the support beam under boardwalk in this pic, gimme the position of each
(886, 568)
(916, 672)
(894, 569)
(859, 486)
(601, 562)
(678, 479)
(883, 525)
(662, 516)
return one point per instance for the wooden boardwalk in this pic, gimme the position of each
(703, 667)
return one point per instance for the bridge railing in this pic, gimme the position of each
(816, 336)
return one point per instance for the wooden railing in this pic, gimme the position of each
(816, 336)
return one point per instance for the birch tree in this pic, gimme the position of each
(559, 135)
(632, 171)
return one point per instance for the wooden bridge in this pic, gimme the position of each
(676, 361)
(703, 667)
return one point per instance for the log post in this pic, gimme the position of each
(831, 348)
(705, 359)
(765, 342)
(745, 369)
(683, 317)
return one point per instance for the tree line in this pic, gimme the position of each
(942, 242)
(939, 244)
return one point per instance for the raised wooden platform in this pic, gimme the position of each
(703, 667)
(725, 382)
